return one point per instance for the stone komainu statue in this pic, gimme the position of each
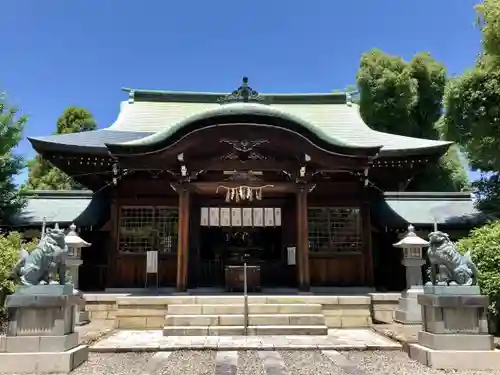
(448, 266)
(46, 260)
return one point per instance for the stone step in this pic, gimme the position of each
(238, 319)
(289, 308)
(263, 330)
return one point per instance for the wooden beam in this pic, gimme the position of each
(367, 243)
(276, 187)
(216, 164)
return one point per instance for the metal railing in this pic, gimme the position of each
(245, 297)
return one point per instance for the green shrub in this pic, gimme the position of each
(10, 245)
(484, 244)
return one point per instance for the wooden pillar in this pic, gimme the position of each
(302, 240)
(366, 228)
(111, 272)
(183, 240)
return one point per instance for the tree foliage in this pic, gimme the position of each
(472, 109)
(405, 98)
(11, 130)
(10, 246)
(44, 176)
(483, 244)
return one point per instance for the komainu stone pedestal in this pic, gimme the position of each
(409, 311)
(455, 330)
(41, 335)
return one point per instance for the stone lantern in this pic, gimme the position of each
(409, 311)
(73, 261)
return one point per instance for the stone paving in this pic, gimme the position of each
(152, 341)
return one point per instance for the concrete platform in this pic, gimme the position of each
(239, 319)
(126, 311)
(270, 308)
(154, 341)
(229, 320)
(239, 330)
(456, 359)
(43, 362)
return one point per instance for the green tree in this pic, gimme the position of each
(11, 129)
(10, 246)
(472, 109)
(405, 98)
(483, 244)
(44, 176)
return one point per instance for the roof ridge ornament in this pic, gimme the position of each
(131, 96)
(244, 94)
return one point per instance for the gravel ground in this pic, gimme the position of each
(383, 363)
(113, 364)
(309, 363)
(249, 363)
(190, 363)
(293, 362)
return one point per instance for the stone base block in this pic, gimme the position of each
(456, 359)
(44, 314)
(82, 317)
(409, 310)
(33, 344)
(43, 362)
(407, 317)
(455, 341)
(454, 314)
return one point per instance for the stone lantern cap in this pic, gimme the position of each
(411, 239)
(73, 239)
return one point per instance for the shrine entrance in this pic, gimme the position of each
(231, 235)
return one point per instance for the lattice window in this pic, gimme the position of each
(144, 229)
(167, 224)
(334, 229)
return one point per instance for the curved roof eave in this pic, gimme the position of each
(225, 113)
(42, 146)
(437, 149)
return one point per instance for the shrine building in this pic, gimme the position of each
(296, 184)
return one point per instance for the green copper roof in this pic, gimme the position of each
(398, 209)
(242, 112)
(394, 209)
(330, 117)
(64, 207)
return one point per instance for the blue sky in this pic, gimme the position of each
(57, 53)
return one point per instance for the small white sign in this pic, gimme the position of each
(277, 216)
(269, 217)
(204, 217)
(214, 216)
(225, 217)
(152, 262)
(258, 217)
(236, 217)
(247, 216)
(291, 250)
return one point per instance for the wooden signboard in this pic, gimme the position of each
(151, 266)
